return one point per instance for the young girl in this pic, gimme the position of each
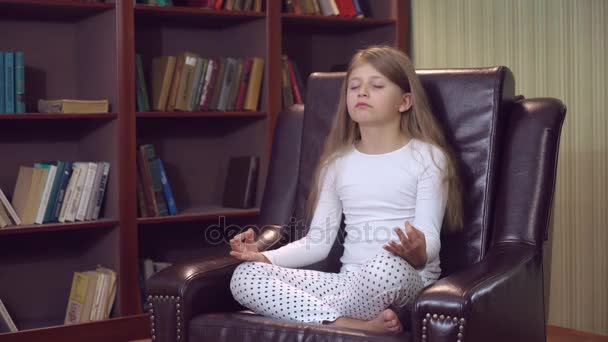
(386, 167)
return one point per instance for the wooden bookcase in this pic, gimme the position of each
(87, 50)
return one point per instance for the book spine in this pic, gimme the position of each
(19, 82)
(9, 208)
(46, 193)
(94, 193)
(9, 82)
(87, 192)
(146, 182)
(103, 184)
(157, 186)
(54, 191)
(167, 189)
(2, 106)
(253, 88)
(61, 193)
(250, 192)
(70, 215)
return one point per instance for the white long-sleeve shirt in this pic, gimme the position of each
(376, 193)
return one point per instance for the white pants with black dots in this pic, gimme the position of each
(315, 297)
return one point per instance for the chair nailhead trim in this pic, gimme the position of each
(178, 312)
(428, 317)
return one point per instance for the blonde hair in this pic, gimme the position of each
(416, 123)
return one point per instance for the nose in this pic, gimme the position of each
(363, 91)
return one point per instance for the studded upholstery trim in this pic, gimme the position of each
(178, 313)
(435, 317)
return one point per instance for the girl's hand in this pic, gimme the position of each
(412, 247)
(244, 248)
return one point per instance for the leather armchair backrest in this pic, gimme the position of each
(470, 105)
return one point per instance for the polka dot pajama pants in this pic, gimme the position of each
(315, 297)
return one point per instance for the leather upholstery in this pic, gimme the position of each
(492, 285)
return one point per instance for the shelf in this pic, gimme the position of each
(194, 16)
(199, 214)
(324, 23)
(53, 227)
(44, 116)
(128, 328)
(169, 115)
(51, 10)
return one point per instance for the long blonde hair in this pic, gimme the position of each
(416, 123)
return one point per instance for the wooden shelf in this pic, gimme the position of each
(44, 116)
(51, 10)
(193, 16)
(201, 213)
(244, 114)
(324, 23)
(54, 227)
(116, 329)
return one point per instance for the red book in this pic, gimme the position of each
(294, 83)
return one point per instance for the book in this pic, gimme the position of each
(167, 189)
(9, 208)
(143, 104)
(46, 192)
(73, 106)
(76, 300)
(241, 182)
(19, 82)
(101, 190)
(2, 107)
(255, 82)
(9, 82)
(162, 73)
(6, 322)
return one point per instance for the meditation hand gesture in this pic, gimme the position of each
(412, 247)
(244, 247)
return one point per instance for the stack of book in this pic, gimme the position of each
(91, 296)
(342, 8)
(59, 191)
(154, 194)
(192, 83)
(12, 82)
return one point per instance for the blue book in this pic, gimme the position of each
(9, 82)
(63, 184)
(2, 108)
(167, 189)
(19, 82)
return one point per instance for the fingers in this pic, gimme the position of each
(245, 256)
(249, 235)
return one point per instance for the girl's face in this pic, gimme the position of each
(372, 99)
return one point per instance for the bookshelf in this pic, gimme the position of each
(87, 50)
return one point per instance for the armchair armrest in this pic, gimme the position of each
(182, 291)
(496, 299)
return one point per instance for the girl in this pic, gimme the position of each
(386, 167)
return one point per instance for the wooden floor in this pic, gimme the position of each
(558, 334)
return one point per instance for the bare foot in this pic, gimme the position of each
(386, 321)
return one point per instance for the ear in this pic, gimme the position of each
(406, 102)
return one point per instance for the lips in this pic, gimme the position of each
(361, 104)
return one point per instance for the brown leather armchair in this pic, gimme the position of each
(492, 283)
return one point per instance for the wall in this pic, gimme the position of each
(555, 48)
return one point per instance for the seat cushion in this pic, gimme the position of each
(252, 327)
